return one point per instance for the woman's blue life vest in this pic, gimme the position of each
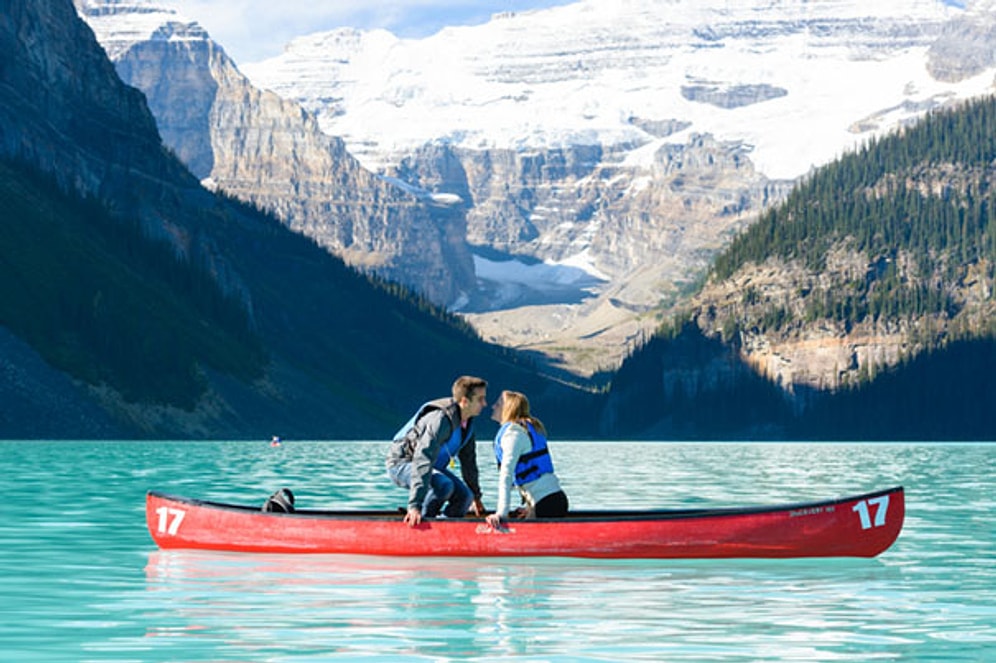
(532, 465)
(451, 447)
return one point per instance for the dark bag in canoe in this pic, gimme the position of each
(281, 501)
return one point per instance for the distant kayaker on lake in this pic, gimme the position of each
(524, 461)
(420, 455)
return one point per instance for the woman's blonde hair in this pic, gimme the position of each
(515, 407)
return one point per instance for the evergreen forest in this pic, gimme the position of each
(919, 207)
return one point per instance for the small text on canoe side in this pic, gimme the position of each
(811, 511)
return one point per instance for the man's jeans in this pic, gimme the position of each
(443, 486)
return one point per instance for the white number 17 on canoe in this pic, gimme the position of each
(169, 519)
(864, 509)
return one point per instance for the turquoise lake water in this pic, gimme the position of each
(81, 580)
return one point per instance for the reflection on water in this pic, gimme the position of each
(354, 606)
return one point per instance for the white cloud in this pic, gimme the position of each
(252, 30)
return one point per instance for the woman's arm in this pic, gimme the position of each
(514, 442)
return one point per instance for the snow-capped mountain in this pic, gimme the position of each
(627, 138)
(796, 80)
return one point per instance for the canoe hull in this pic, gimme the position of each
(859, 526)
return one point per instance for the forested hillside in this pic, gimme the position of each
(919, 205)
(102, 302)
(866, 301)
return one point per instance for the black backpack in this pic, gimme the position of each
(281, 501)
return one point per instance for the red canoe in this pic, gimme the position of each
(859, 526)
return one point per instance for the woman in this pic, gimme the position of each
(524, 460)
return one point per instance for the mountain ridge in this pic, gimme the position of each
(337, 346)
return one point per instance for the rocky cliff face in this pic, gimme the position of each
(966, 46)
(820, 355)
(265, 150)
(644, 233)
(106, 127)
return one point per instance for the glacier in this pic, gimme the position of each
(585, 72)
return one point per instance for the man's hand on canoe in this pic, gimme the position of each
(414, 515)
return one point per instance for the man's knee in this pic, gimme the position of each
(442, 487)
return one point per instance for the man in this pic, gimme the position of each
(442, 430)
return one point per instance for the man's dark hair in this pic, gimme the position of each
(466, 385)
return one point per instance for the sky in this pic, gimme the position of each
(253, 30)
